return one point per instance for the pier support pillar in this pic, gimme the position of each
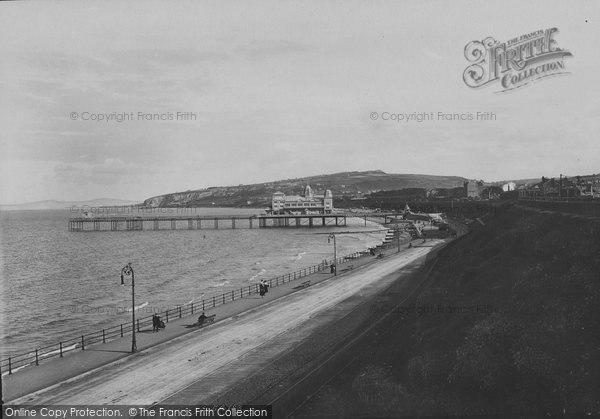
(199, 224)
(173, 225)
(190, 224)
(156, 224)
(250, 220)
(216, 223)
(233, 223)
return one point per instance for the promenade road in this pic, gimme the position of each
(161, 372)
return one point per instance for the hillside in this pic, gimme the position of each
(506, 324)
(530, 181)
(350, 184)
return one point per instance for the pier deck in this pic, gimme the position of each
(121, 223)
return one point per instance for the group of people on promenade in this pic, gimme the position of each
(263, 287)
(157, 323)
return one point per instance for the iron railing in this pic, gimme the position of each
(83, 341)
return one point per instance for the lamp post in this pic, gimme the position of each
(126, 271)
(1, 390)
(332, 236)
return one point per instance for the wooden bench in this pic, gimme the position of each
(207, 320)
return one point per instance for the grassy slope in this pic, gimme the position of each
(349, 183)
(532, 347)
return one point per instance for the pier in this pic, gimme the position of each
(120, 223)
(378, 217)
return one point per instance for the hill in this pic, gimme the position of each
(530, 181)
(345, 184)
(505, 324)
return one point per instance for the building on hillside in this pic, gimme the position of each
(589, 187)
(473, 188)
(307, 204)
(510, 186)
(491, 192)
(551, 188)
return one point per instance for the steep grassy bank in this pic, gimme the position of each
(590, 208)
(508, 323)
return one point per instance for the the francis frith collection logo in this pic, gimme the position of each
(514, 63)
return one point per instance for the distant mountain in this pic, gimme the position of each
(345, 184)
(51, 204)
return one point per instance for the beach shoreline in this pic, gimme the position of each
(115, 354)
(71, 286)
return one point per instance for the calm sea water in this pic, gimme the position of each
(57, 284)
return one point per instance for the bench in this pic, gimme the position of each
(305, 284)
(207, 320)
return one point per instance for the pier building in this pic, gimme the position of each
(307, 204)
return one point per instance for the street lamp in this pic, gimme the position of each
(126, 271)
(1, 391)
(332, 236)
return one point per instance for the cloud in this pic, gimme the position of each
(433, 55)
(111, 171)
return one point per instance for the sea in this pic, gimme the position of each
(57, 284)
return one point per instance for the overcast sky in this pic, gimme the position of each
(279, 89)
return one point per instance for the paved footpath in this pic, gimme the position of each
(77, 363)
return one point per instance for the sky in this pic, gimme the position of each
(269, 90)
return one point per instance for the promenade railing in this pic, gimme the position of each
(17, 361)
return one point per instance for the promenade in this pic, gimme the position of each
(75, 378)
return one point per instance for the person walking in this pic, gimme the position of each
(261, 287)
(154, 323)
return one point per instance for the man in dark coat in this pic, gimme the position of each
(154, 323)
